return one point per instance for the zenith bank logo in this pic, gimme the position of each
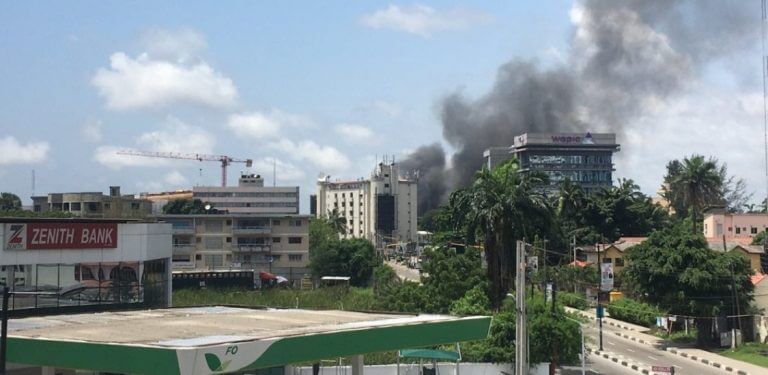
(16, 236)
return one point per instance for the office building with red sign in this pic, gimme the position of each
(84, 263)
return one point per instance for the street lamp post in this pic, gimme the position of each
(583, 354)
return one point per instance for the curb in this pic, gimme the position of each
(616, 359)
(706, 361)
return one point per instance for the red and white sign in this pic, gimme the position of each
(661, 368)
(37, 236)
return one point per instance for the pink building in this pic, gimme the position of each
(735, 227)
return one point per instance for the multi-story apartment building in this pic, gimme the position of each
(94, 204)
(735, 227)
(272, 243)
(585, 159)
(250, 197)
(381, 209)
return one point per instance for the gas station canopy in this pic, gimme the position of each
(210, 340)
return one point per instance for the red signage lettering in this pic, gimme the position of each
(61, 236)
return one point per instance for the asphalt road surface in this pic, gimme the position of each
(644, 354)
(598, 366)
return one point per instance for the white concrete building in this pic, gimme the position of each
(381, 209)
(85, 262)
(270, 243)
(250, 197)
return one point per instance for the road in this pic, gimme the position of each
(598, 366)
(644, 354)
(403, 272)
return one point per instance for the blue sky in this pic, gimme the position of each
(322, 87)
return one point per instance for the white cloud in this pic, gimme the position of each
(168, 72)
(327, 158)
(286, 172)
(13, 152)
(354, 133)
(263, 125)
(182, 45)
(92, 131)
(175, 136)
(389, 108)
(423, 20)
(175, 179)
(706, 121)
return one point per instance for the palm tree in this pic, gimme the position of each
(337, 222)
(698, 184)
(504, 205)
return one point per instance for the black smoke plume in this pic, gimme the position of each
(624, 57)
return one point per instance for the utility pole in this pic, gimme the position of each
(521, 342)
(600, 311)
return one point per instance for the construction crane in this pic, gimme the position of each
(223, 159)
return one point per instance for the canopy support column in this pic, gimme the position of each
(357, 364)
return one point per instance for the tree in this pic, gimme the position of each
(337, 221)
(450, 275)
(696, 183)
(504, 205)
(9, 202)
(675, 270)
(619, 211)
(185, 207)
(329, 256)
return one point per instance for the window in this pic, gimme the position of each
(198, 257)
(275, 257)
(75, 206)
(229, 222)
(135, 205)
(607, 260)
(294, 240)
(753, 230)
(294, 223)
(619, 262)
(738, 230)
(386, 185)
(275, 222)
(106, 206)
(276, 239)
(295, 257)
(93, 206)
(351, 213)
(229, 239)
(214, 243)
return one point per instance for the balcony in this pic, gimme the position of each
(183, 248)
(252, 248)
(251, 230)
(183, 229)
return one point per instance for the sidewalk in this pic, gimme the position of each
(708, 358)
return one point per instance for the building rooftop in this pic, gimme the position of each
(196, 340)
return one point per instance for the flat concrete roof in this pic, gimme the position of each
(206, 340)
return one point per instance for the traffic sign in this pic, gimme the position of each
(662, 369)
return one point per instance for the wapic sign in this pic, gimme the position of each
(38, 236)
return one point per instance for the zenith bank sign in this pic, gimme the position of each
(36, 236)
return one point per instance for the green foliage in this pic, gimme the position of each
(355, 258)
(759, 239)
(499, 347)
(501, 206)
(574, 300)
(753, 353)
(406, 297)
(337, 221)
(548, 329)
(9, 202)
(635, 312)
(675, 270)
(569, 278)
(383, 278)
(450, 275)
(184, 207)
(24, 213)
(474, 302)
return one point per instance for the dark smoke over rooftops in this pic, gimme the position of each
(624, 57)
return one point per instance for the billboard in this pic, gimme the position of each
(606, 277)
(40, 236)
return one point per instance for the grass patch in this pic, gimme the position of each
(754, 353)
(325, 298)
(679, 337)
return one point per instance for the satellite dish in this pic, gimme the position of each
(207, 207)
